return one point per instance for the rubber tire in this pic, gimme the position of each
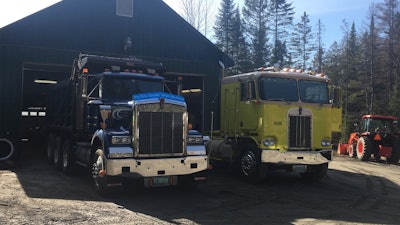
(395, 157)
(8, 150)
(58, 153)
(68, 162)
(51, 140)
(364, 148)
(352, 150)
(99, 183)
(249, 165)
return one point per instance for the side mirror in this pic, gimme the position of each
(335, 97)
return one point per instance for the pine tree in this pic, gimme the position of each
(255, 13)
(302, 42)
(224, 25)
(387, 19)
(239, 46)
(282, 19)
(332, 64)
(318, 60)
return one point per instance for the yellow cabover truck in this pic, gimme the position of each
(276, 119)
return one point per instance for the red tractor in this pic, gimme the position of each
(375, 135)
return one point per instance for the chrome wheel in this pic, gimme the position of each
(248, 163)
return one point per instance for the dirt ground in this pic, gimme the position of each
(354, 192)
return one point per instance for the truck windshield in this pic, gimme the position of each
(278, 89)
(314, 91)
(117, 117)
(288, 89)
(124, 88)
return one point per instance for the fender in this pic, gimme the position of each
(100, 136)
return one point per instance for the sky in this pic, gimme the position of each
(330, 12)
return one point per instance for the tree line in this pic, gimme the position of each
(365, 64)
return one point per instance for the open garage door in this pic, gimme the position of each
(36, 81)
(193, 92)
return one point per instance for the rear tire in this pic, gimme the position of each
(51, 140)
(394, 158)
(364, 148)
(58, 153)
(68, 163)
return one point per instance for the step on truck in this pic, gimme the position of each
(276, 119)
(113, 117)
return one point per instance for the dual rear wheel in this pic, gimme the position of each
(59, 153)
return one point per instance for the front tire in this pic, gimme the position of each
(98, 173)
(250, 166)
(364, 148)
(352, 150)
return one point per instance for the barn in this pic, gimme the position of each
(40, 49)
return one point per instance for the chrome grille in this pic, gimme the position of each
(160, 133)
(299, 132)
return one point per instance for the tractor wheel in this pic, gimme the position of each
(364, 148)
(352, 150)
(394, 158)
(250, 167)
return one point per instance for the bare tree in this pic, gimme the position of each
(199, 13)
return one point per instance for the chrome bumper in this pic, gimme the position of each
(296, 157)
(156, 167)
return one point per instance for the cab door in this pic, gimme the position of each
(248, 105)
(336, 100)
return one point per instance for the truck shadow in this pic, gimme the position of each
(283, 198)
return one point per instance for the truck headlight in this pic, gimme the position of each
(121, 140)
(270, 141)
(325, 142)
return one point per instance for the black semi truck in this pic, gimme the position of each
(113, 117)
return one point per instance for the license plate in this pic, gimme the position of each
(160, 181)
(299, 168)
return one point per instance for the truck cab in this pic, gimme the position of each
(113, 117)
